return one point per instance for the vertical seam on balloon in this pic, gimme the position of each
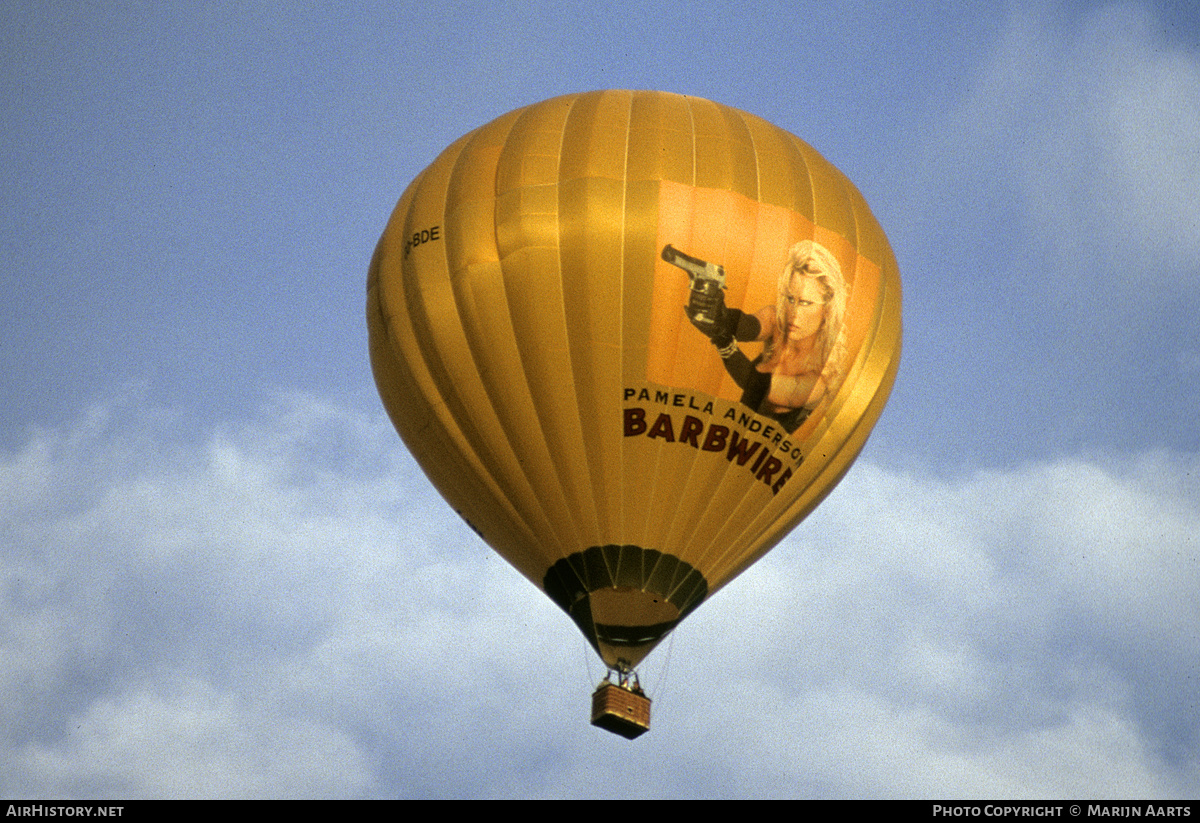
(621, 326)
(753, 533)
(833, 467)
(564, 501)
(467, 438)
(675, 581)
(685, 481)
(712, 549)
(857, 436)
(615, 572)
(646, 573)
(712, 546)
(689, 538)
(760, 526)
(587, 460)
(496, 461)
(508, 458)
(647, 516)
(570, 354)
(449, 427)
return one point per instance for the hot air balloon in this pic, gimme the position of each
(633, 338)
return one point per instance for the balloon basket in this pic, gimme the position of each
(621, 709)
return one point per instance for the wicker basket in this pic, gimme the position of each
(621, 710)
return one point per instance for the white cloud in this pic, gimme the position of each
(284, 608)
(1093, 121)
(1022, 633)
(1052, 261)
(187, 739)
(1117, 158)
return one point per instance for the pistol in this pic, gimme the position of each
(708, 279)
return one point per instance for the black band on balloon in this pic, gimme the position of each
(572, 579)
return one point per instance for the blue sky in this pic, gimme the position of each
(223, 576)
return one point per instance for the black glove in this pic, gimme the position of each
(709, 315)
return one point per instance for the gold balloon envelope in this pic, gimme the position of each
(536, 309)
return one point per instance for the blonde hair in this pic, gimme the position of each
(831, 336)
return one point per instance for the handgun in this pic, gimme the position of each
(708, 279)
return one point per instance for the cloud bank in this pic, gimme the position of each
(283, 607)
